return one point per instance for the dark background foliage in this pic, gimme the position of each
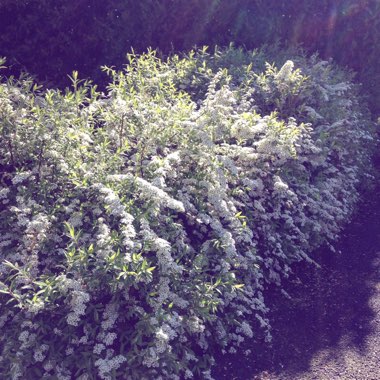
(49, 38)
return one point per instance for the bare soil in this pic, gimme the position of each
(330, 328)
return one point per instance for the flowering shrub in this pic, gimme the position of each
(138, 228)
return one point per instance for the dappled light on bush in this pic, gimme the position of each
(138, 228)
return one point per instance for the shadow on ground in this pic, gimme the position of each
(328, 306)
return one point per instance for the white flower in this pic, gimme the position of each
(110, 316)
(98, 348)
(195, 325)
(76, 219)
(23, 337)
(109, 339)
(40, 353)
(20, 177)
(48, 366)
(151, 357)
(159, 196)
(279, 185)
(36, 306)
(245, 328)
(4, 192)
(78, 304)
(285, 71)
(161, 335)
(105, 366)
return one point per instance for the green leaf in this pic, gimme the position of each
(70, 229)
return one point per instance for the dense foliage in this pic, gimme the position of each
(138, 228)
(51, 38)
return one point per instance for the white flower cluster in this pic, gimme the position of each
(110, 316)
(151, 358)
(75, 219)
(128, 232)
(159, 196)
(48, 366)
(36, 231)
(109, 338)
(103, 239)
(195, 325)
(246, 329)
(279, 185)
(78, 306)
(162, 341)
(65, 284)
(24, 337)
(105, 366)
(4, 193)
(40, 353)
(162, 248)
(285, 71)
(112, 201)
(98, 348)
(21, 177)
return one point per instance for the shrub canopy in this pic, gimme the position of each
(138, 228)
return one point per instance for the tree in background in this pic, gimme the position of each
(50, 39)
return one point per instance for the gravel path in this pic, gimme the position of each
(330, 328)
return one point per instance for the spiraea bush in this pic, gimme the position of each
(138, 228)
